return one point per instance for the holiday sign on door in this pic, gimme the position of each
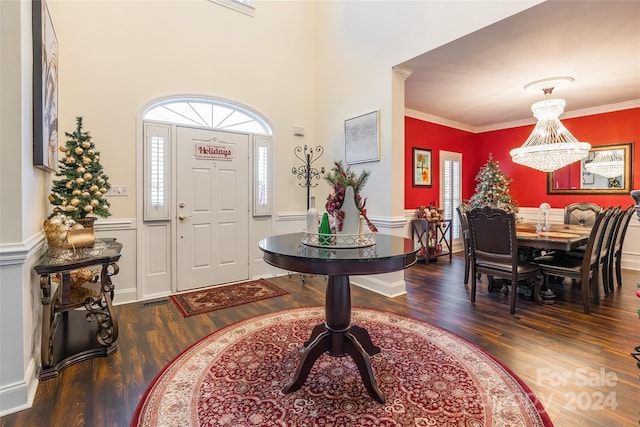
(213, 151)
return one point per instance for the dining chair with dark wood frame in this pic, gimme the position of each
(583, 268)
(615, 250)
(464, 226)
(604, 247)
(494, 250)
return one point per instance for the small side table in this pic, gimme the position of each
(434, 237)
(68, 335)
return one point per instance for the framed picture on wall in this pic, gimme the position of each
(361, 139)
(422, 172)
(45, 88)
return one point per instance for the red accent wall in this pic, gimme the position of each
(529, 187)
(434, 137)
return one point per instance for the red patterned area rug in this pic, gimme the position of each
(205, 300)
(430, 377)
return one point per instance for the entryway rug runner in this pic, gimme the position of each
(430, 377)
(224, 296)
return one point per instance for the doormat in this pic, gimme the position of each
(210, 299)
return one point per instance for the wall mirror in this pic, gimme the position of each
(576, 179)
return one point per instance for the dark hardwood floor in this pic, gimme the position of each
(579, 366)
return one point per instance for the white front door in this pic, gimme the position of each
(213, 208)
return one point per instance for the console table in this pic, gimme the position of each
(71, 335)
(434, 237)
(337, 336)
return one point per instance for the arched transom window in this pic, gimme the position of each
(208, 114)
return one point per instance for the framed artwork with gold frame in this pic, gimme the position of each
(45, 88)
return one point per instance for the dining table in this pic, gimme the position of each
(532, 238)
(557, 237)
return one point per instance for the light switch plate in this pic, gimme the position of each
(118, 190)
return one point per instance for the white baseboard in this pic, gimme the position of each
(19, 396)
(382, 284)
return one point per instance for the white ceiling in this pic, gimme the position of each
(477, 82)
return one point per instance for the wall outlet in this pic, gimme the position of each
(118, 190)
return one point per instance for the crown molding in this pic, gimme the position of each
(402, 73)
(609, 108)
(438, 120)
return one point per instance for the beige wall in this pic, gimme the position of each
(309, 64)
(116, 57)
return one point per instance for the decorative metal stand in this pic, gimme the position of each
(305, 172)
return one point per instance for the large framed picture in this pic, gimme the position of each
(361, 139)
(421, 167)
(45, 88)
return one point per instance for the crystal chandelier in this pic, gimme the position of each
(609, 163)
(550, 146)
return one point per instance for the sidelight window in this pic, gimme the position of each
(210, 114)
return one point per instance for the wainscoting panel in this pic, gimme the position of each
(124, 231)
(260, 228)
(156, 267)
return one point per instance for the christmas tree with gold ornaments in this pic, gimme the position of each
(82, 187)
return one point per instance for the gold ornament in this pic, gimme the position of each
(75, 202)
(86, 160)
(77, 278)
(69, 185)
(69, 160)
(93, 188)
(86, 144)
(76, 192)
(86, 194)
(62, 148)
(94, 203)
(81, 169)
(97, 158)
(78, 151)
(88, 208)
(101, 181)
(79, 181)
(51, 198)
(87, 176)
(103, 190)
(97, 194)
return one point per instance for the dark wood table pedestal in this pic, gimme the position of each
(338, 337)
